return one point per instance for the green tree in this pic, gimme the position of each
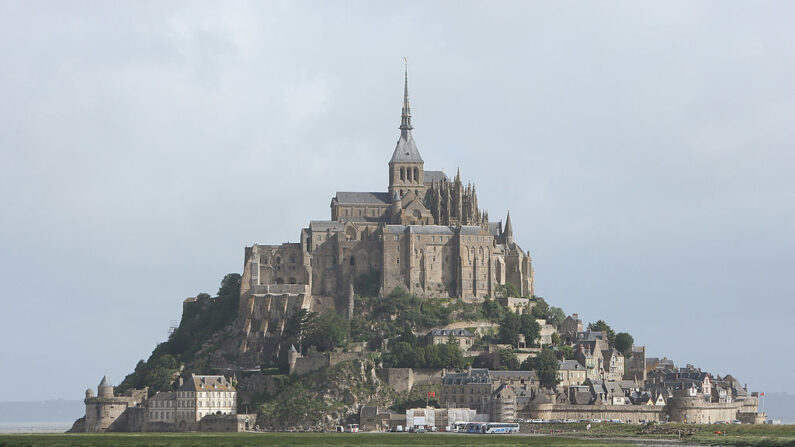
(488, 360)
(507, 290)
(509, 328)
(555, 316)
(567, 351)
(624, 343)
(493, 310)
(328, 331)
(540, 309)
(601, 326)
(545, 365)
(555, 339)
(298, 326)
(530, 328)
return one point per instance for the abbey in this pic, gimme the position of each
(425, 234)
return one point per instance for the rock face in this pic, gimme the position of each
(326, 398)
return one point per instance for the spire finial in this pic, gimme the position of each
(405, 119)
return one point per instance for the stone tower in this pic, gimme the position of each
(105, 389)
(406, 166)
(292, 357)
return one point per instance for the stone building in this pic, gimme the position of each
(200, 396)
(106, 409)
(425, 234)
(571, 372)
(463, 337)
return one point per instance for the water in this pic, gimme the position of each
(34, 427)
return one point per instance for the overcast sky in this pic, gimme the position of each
(645, 151)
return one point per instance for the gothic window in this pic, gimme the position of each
(401, 193)
(353, 261)
(292, 259)
(416, 175)
(402, 175)
(278, 260)
(265, 261)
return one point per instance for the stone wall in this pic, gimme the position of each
(696, 410)
(227, 423)
(627, 413)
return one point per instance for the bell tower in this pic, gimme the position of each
(406, 166)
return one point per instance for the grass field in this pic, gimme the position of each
(739, 435)
(287, 439)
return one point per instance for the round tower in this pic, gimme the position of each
(292, 357)
(89, 393)
(105, 389)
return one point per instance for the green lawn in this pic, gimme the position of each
(286, 439)
(739, 435)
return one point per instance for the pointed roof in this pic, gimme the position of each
(406, 149)
(508, 227)
(105, 383)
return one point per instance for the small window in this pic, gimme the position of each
(278, 260)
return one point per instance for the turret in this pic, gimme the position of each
(105, 389)
(89, 393)
(507, 233)
(292, 357)
(397, 205)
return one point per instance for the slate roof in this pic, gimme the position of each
(105, 383)
(430, 229)
(469, 230)
(406, 150)
(515, 375)
(207, 383)
(477, 375)
(163, 395)
(571, 365)
(362, 198)
(591, 335)
(448, 332)
(323, 225)
(434, 176)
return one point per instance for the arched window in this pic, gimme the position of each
(408, 174)
(353, 260)
(402, 173)
(292, 259)
(416, 175)
(278, 260)
(279, 281)
(291, 280)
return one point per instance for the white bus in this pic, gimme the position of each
(501, 427)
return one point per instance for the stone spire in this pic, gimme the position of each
(405, 118)
(508, 231)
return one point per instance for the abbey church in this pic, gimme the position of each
(424, 234)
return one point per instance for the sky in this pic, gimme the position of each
(644, 150)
